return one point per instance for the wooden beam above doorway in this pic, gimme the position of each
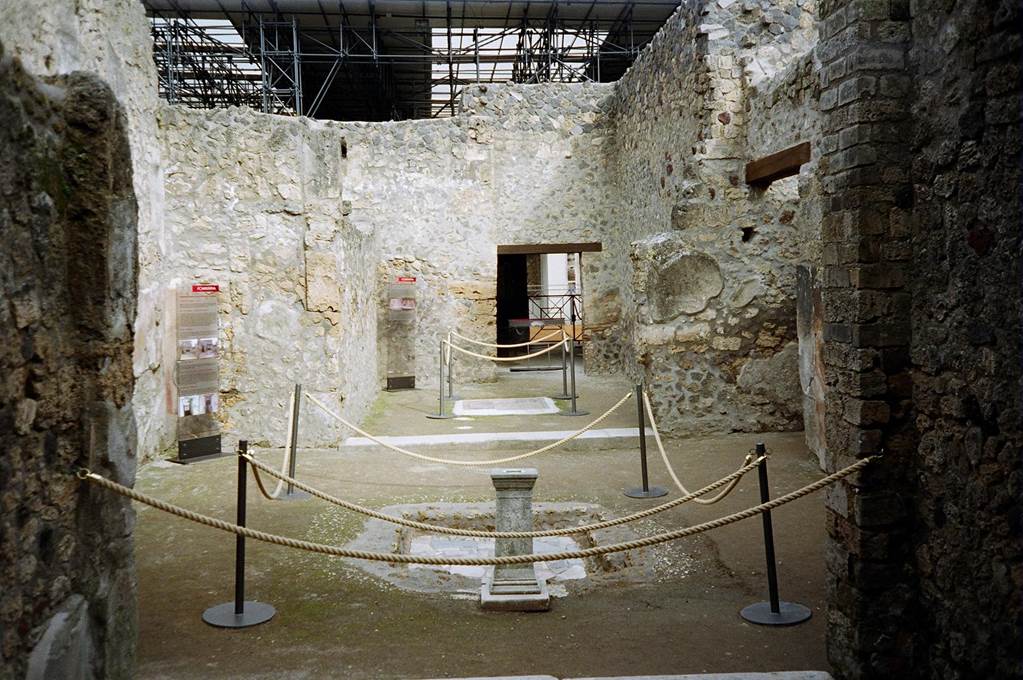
(549, 248)
(785, 163)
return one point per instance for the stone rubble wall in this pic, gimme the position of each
(710, 302)
(965, 349)
(783, 110)
(68, 270)
(921, 296)
(255, 205)
(517, 165)
(306, 222)
(110, 38)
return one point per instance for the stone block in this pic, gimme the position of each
(65, 648)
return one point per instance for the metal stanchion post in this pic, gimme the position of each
(291, 493)
(564, 372)
(440, 415)
(774, 612)
(241, 613)
(571, 363)
(646, 491)
(451, 374)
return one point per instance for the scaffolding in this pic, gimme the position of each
(358, 62)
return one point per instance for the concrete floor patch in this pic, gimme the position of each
(520, 406)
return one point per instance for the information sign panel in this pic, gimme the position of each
(401, 326)
(197, 372)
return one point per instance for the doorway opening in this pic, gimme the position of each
(540, 291)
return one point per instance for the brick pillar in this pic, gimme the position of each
(865, 168)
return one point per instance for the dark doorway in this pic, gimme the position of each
(536, 283)
(512, 295)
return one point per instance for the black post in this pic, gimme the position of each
(239, 540)
(571, 361)
(564, 368)
(439, 415)
(291, 493)
(451, 374)
(645, 491)
(775, 612)
(239, 614)
(772, 566)
(292, 454)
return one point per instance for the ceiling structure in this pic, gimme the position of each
(386, 59)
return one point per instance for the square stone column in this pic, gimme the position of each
(514, 587)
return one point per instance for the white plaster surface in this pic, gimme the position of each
(519, 406)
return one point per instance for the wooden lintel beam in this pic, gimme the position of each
(784, 163)
(549, 248)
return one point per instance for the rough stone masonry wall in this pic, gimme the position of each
(713, 272)
(110, 38)
(965, 349)
(921, 297)
(67, 306)
(518, 164)
(782, 111)
(255, 204)
(305, 222)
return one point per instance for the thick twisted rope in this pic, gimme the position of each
(523, 357)
(448, 461)
(554, 334)
(671, 471)
(337, 551)
(287, 457)
(568, 531)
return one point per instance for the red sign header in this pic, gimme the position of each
(406, 279)
(205, 288)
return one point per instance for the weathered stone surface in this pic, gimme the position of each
(683, 283)
(810, 331)
(67, 307)
(65, 649)
(110, 38)
(724, 275)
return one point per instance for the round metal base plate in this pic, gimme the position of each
(564, 397)
(573, 413)
(294, 495)
(789, 614)
(652, 492)
(253, 614)
(438, 416)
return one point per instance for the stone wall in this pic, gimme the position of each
(110, 38)
(519, 164)
(67, 306)
(710, 311)
(255, 205)
(306, 221)
(920, 291)
(965, 347)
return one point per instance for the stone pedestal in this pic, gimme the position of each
(514, 587)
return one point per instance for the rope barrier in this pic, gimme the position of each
(348, 505)
(287, 458)
(534, 341)
(546, 350)
(671, 471)
(338, 551)
(471, 463)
